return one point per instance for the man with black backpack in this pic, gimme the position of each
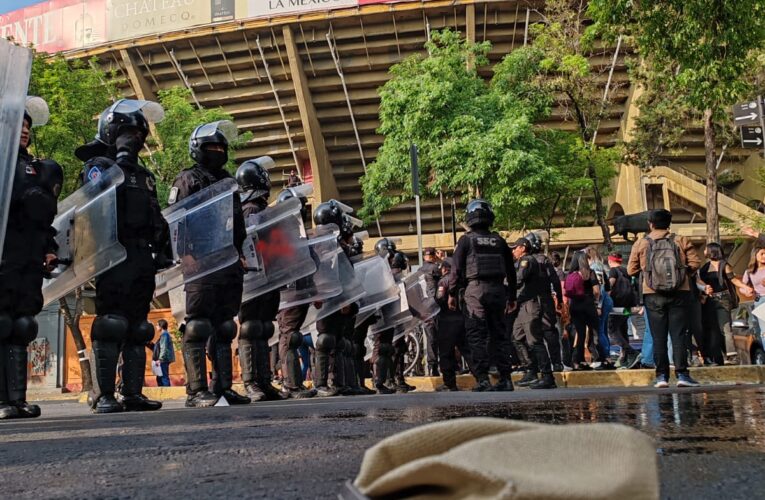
(624, 297)
(666, 260)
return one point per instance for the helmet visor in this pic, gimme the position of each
(37, 109)
(302, 191)
(225, 127)
(152, 111)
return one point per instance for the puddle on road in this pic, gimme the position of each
(685, 422)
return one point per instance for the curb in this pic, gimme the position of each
(720, 375)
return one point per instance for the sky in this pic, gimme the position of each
(9, 5)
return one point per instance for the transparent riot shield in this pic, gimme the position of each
(325, 282)
(178, 304)
(276, 250)
(201, 235)
(86, 228)
(422, 305)
(379, 284)
(394, 313)
(352, 291)
(15, 66)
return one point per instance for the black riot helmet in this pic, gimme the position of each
(253, 178)
(329, 212)
(221, 133)
(385, 248)
(399, 261)
(357, 246)
(535, 242)
(50, 175)
(478, 213)
(287, 194)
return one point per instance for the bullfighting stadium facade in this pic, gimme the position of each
(302, 76)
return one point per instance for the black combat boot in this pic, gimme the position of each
(263, 372)
(546, 382)
(482, 385)
(224, 374)
(381, 375)
(7, 410)
(16, 373)
(196, 376)
(505, 384)
(528, 378)
(104, 367)
(247, 364)
(133, 366)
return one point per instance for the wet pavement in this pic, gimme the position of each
(710, 442)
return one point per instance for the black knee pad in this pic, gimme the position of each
(296, 340)
(24, 331)
(348, 347)
(109, 328)
(250, 330)
(141, 333)
(198, 330)
(226, 331)
(325, 342)
(6, 326)
(268, 330)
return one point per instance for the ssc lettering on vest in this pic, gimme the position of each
(486, 241)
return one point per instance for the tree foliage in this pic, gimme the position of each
(473, 137)
(76, 92)
(181, 118)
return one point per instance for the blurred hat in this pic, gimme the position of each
(429, 251)
(615, 257)
(522, 242)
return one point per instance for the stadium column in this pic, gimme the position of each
(324, 184)
(141, 86)
(470, 29)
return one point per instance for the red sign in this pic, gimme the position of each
(57, 25)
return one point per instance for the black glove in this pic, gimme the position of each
(162, 261)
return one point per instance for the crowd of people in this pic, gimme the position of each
(500, 307)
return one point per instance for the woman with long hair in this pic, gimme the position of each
(754, 285)
(605, 306)
(582, 289)
(718, 284)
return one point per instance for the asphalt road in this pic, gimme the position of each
(710, 442)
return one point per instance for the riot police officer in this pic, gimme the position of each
(527, 327)
(334, 331)
(124, 292)
(385, 248)
(213, 300)
(29, 250)
(432, 275)
(482, 264)
(399, 264)
(289, 321)
(551, 290)
(257, 316)
(451, 332)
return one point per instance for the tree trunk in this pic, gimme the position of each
(710, 161)
(599, 213)
(72, 320)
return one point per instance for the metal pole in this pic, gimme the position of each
(339, 69)
(183, 77)
(762, 121)
(454, 221)
(415, 165)
(279, 105)
(443, 218)
(526, 29)
(419, 227)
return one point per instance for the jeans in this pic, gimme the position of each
(604, 343)
(305, 354)
(164, 380)
(668, 318)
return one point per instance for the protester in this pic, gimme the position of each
(166, 353)
(605, 305)
(754, 285)
(719, 297)
(666, 293)
(624, 298)
(582, 289)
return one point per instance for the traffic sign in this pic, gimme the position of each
(747, 113)
(752, 137)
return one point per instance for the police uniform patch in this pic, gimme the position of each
(150, 182)
(173, 196)
(94, 174)
(524, 263)
(30, 170)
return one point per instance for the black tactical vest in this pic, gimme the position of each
(485, 260)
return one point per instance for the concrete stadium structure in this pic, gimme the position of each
(277, 77)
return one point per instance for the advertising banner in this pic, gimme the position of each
(134, 18)
(273, 8)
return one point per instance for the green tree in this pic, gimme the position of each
(472, 137)
(181, 118)
(708, 52)
(76, 91)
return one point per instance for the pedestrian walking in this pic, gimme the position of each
(165, 353)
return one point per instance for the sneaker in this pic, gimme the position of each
(529, 378)
(634, 361)
(546, 382)
(482, 386)
(504, 385)
(661, 382)
(326, 392)
(384, 389)
(234, 398)
(139, 402)
(201, 399)
(685, 380)
(8, 411)
(558, 367)
(107, 404)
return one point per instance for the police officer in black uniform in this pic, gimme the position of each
(124, 293)
(257, 316)
(213, 300)
(334, 330)
(29, 251)
(527, 328)
(399, 264)
(432, 275)
(483, 266)
(551, 291)
(290, 320)
(451, 332)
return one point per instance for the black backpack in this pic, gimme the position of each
(622, 293)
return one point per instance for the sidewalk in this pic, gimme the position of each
(721, 375)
